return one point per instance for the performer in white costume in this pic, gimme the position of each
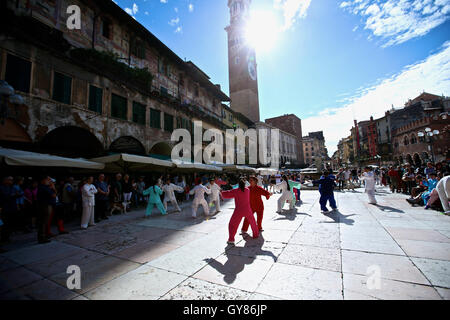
(443, 189)
(214, 197)
(88, 200)
(369, 178)
(286, 194)
(199, 199)
(169, 194)
(260, 180)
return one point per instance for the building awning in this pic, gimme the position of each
(267, 171)
(195, 165)
(235, 167)
(132, 162)
(32, 159)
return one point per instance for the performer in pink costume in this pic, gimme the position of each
(242, 209)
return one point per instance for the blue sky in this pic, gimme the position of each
(332, 61)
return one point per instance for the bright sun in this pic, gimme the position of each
(262, 30)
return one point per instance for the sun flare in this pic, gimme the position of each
(262, 30)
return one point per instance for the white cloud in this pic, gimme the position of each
(397, 21)
(431, 75)
(191, 7)
(179, 29)
(292, 10)
(132, 11)
(174, 22)
(163, 1)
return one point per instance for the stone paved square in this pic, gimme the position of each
(302, 254)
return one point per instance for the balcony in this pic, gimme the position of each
(107, 64)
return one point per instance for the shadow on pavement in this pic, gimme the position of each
(338, 217)
(388, 209)
(290, 215)
(236, 262)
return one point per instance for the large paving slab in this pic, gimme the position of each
(14, 278)
(98, 272)
(356, 288)
(390, 266)
(300, 283)
(195, 289)
(313, 257)
(426, 249)
(417, 234)
(143, 283)
(436, 271)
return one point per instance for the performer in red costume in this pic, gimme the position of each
(242, 209)
(256, 192)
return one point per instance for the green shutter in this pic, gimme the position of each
(139, 113)
(18, 73)
(155, 119)
(95, 99)
(168, 122)
(118, 107)
(62, 88)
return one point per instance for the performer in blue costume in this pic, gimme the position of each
(154, 193)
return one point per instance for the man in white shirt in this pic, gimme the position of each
(88, 200)
(369, 178)
(214, 197)
(199, 199)
(169, 194)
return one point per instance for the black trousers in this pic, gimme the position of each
(43, 215)
(100, 208)
(7, 227)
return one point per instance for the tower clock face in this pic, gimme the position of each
(252, 68)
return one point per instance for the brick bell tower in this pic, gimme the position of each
(242, 62)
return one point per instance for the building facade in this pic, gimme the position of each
(292, 124)
(394, 138)
(314, 149)
(110, 86)
(287, 141)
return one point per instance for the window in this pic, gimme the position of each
(95, 99)
(196, 91)
(164, 92)
(236, 60)
(168, 122)
(155, 118)
(18, 73)
(62, 88)
(162, 66)
(139, 113)
(106, 28)
(181, 81)
(118, 107)
(406, 141)
(137, 48)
